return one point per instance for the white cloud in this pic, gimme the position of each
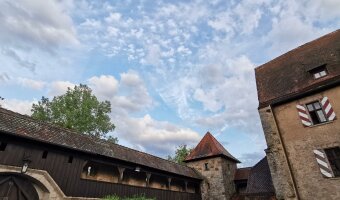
(4, 77)
(43, 24)
(59, 87)
(157, 137)
(104, 86)
(113, 17)
(20, 106)
(33, 84)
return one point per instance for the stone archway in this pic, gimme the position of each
(16, 187)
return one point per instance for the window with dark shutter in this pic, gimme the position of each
(333, 156)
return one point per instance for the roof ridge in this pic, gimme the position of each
(52, 125)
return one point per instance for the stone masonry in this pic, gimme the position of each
(218, 179)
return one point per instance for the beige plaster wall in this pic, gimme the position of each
(300, 142)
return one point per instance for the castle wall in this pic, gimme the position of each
(219, 178)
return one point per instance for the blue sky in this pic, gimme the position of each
(172, 70)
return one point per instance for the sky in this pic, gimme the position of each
(172, 70)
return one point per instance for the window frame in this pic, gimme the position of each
(334, 160)
(314, 112)
(318, 71)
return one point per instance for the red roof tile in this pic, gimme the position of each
(209, 147)
(242, 174)
(287, 76)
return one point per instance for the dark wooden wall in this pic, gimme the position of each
(67, 175)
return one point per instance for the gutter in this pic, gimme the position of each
(285, 154)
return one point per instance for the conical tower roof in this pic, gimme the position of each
(209, 147)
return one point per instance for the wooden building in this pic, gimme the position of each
(43, 161)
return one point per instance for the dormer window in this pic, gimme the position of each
(319, 72)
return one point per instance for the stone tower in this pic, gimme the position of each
(216, 165)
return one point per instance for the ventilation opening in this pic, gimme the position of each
(44, 155)
(3, 146)
(70, 159)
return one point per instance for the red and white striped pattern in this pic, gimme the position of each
(304, 115)
(326, 106)
(321, 159)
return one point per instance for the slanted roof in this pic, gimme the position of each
(209, 147)
(260, 179)
(287, 76)
(242, 174)
(23, 126)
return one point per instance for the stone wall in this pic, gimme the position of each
(278, 165)
(300, 142)
(219, 178)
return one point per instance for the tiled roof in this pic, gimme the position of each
(24, 126)
(209, 147)
(287, 76)
(242, 174)
(260, 180)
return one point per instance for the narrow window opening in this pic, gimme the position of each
(3, 146)
(44, 155)
(319, 72)
(333, 156)
(316, 113)
(206, 166)
(70, 159)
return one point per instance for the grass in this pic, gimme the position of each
(115, 197)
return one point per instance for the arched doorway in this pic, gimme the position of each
(16, 187)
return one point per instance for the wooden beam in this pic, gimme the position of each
(121, 174)
(169, 183)
(148, 176)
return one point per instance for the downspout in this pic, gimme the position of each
(285, 154)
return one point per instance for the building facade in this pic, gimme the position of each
(39, 160)
(299, 99)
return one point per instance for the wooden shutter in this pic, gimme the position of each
(303, 114)
(323, 164)
(327, 107)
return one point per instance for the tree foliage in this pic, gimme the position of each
(181, 153)
(78, 109)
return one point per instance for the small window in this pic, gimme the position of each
(319, 72)
(316, 113)
(70, 159)
(44, 155)
(206, 166)
(3, 146)
(333, 156)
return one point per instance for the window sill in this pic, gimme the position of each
(321, 124)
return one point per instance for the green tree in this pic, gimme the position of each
(181, 153)
(79, 110)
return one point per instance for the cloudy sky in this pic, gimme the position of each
(172, 70)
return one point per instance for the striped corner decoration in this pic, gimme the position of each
(321, 159)
(327, 107)
(303, 115)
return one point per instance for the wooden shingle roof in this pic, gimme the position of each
(260, 180)
(209, 147)
(12, 123)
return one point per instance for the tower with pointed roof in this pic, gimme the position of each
(216, 165)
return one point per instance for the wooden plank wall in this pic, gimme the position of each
(67, 175)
